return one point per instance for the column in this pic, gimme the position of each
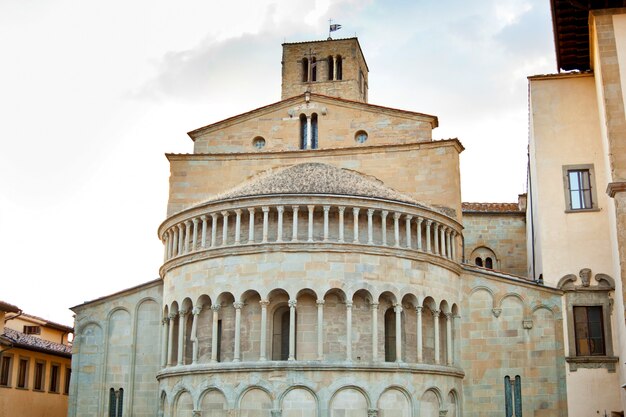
(266, 219)
(180, 239)
(237, 226)
(165, 341)
(165, 246)
(194, 334)
(355, 213)
(251, 225)
(420, 343)
(216, 309)
(181, 335)
(213, 229)
(308, 124)
(419, 233)
(448, 250)
(187, 236)
(311, 211)
(453, 245)
(320, 330)
(436, 319)
(398, 310)
(449, 360)
(170, 339)
(442, 240)
(326, 212)
(294, 234)
(374, 309)
(407, 226)
(263, 347)
(396, 229)
(341, 214)
(225, 228)
(203, 239)
(436, 238)
(279, 226)
(428, 248)
(292, 330)
(370, 227)
(383, 225)
(194, 240)
(237, 350)
(334, 68)
(170, 244)
(349, 331)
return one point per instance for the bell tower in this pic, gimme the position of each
(334, 67)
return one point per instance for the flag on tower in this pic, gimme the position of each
(334, 27)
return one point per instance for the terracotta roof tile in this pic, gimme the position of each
(491, 207)
(20, 339)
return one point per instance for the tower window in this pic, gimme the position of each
(339, 68)
(314, 143)
(331, 68)
(313, 69)
(489, 263)
(305, 70)
(478, 262)
(303, 132)
(390, 335)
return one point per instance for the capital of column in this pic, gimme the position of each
(292, 303)
(370, 212)
(409, 217)
(280, 209)
(436, 313)
(251, 210)
(384, 214)
(203, 217)
(355, 211)
(311, 207)
(196, 310)
(448, 316)
(341, 209)
(237, 211)
(429, 222)
(397, 215)
(320, 302)
(374, 306)
(214, 216)
(173, 316)
(195, 221)
(265, 209)
(225, 213)
(348, 304)
(180, 227)
(397, 308)
(216, 307)
(372, 412)
(326, 208)
(418, 309)
(183, 313)
(264, 303)
(165, 320)
(238, 305)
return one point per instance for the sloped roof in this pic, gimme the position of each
(43, 322)
(8, 308)
(30, 342)
(314, 178)
(491, 207)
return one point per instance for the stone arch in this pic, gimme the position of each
(162, 404)
(147, 332)
(362, 305)
(486, 257)
(225, 327)
(250, 340)
(409, 323)
(182, 406)
(306, 324)
(349, 400)
(278, 317)
(187, 311)
(429, 307)
(119, 343)
(88, 366)
(204, 327)
(335, 328)
(299, 401)
(394, 402)
(255, 401)
(212, 403)
(430, 403)
(452, 404)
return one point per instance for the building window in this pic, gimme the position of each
(313, 69)
(68, 377)
(55, 375)
(390, 335)
(258, 142)
(589, 330)
(280, 339)
(478, 262)
(5, 370)
(116, 402)
(314, 143)
(32, 329)
(489, 263)
(40, 369)
(339, 65)
(303, 132)
(361, 136)
(512, 396)
(579, 185)
(331, 68)
(22, 374)
(305, 70)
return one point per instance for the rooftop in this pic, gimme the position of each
(491, 207)
(19, 339)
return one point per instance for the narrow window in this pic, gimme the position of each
(120, 402)
(314, 142)
(284, 333)
(112, 402)
(579, 189)
(22, 374)
(313, 69)
(518, 396)
(303, 132)
(489, 263)
(219, 340)
(54, 378)
(5, 371)
(280, 337)
(478, 262)
(305, 70)
(39, 375)
(331, 68)
(116, 402)
(508, 397)
(68, 377)
(589, 331)
(390, 335)
(339, 68)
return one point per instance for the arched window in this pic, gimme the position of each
(339, 68)
(303, 132)
(479, 262)
(314, 143)
(390, 335)
(331, 68)
(313, 69)
(305, 70)
(489, 263)
(116, 402)
(280, 337)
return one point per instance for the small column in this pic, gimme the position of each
(225, 228)
(407, 227)
(383, 225)
(311, 212)
(374, 309)
(453, 245)
(279, 226)
(442, 239)
(204, 225)
(341, 214)
(194, 240)
(165, 246)
(436, 319)
(170, 339)
(396, 229)
(436, 238)
(292, 330)
(428, 224)
(320, 330)
(251, 225)
(448, 249)
(326, 212)
(216, 310)
(187, 236)
(349, 331)
(194, 334)
(263, 347)
(398, 310)
(181, 335)
(237, 226)
(181, 239)
(170, 244)
(370, 227)
(266, 219)
(449, 359)
(308, 125)
(334, 67)
(294, 234)
(419, 233)
(213, 229)
(165, 341)
(420, 343)
(355, 213)
(237, 350)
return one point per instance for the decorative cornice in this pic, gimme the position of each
(615, 187)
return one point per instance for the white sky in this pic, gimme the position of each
(93, 93)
